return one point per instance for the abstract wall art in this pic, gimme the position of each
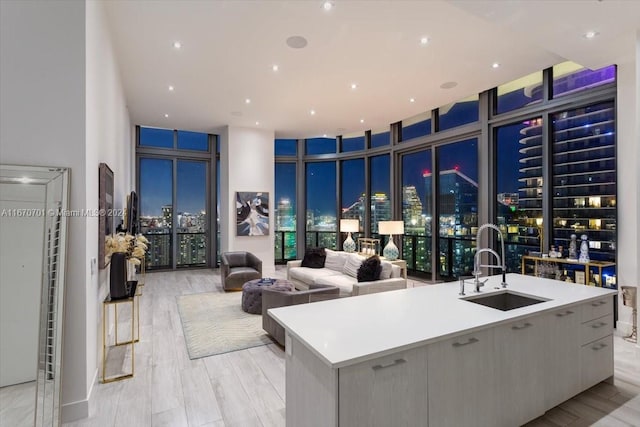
(252, 213)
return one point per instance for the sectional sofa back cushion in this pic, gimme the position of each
(352, 265)
(369, 269)
(335, 260)
(314, 258)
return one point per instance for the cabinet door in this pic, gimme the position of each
(563, 356)
(462, 381)
(596, 361)
(519, 353)
(388, 391)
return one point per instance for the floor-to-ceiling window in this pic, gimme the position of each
(321, 225)
(175, 191)
(417, 210)
(457, 198)
(353, 201)
(518, 203)
(286, 201)
(379, 181)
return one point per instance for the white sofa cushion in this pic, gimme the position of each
(335, 260)
(308, 275)
(342, 281)
(352, 265)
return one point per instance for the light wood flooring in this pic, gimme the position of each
(247, 388)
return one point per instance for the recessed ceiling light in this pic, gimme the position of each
(412, 100)
(257, 123)
(361, 120)
(296, 42)
(495, 65)
(312, 112)
(327, 5)
(424, 40)
(166, 115)
(354, 86)
(274, 67)
(177, 44)
(324, 135)
(171, 88)
(247, 101)
(591, 34)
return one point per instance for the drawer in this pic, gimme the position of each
(597, 308)
(595, 329)
(596, 362)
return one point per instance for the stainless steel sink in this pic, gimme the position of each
(505, 300)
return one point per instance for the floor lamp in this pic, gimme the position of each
(390, 251)
(349, 226)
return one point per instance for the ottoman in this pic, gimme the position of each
(252, 293)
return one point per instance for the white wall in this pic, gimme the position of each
(108, 140)
(628, 165)
(42, 122)
(62, 104)
(246, 164)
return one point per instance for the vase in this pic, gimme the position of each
(118, 276)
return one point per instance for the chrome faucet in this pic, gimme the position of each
(500, 259)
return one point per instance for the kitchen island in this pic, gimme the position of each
(426, 356)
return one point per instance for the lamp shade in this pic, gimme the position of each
(391, 227)
(349, 225)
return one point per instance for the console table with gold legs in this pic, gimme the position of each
(106, 304)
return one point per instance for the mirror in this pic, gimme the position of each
(33, 226)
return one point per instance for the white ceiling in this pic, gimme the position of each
(229, 48)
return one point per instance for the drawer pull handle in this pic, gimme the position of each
(469, 341)
(525, 326)
(598, 325)
(599, 346)
(394, 363)
(566, 313)
(599, 303)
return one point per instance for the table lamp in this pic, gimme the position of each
(390, 251)
(540, 234)
(349, 226)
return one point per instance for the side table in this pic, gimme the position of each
(108, 302)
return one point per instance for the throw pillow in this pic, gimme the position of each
(387, 268)
(352, 265)
(314, 258)
(369, 269)
(335, 260)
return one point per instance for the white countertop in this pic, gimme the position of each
(350, 330)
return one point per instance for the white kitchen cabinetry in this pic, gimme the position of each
(596, 354)
(387, 391)
(562, 370)
(461, 376)
(520, 349)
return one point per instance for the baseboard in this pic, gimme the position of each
(75, 411)
(78, 410)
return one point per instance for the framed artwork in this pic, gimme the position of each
(105, 206)
(252, 213)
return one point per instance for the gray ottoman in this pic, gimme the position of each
(252, 293)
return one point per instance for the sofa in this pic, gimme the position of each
(340, 270)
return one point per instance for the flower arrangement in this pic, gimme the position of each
(134, 246)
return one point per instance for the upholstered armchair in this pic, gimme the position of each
(274, 299)
(237, 268)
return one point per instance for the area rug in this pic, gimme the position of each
(214, 323)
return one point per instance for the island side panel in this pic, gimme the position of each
(311, 387)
